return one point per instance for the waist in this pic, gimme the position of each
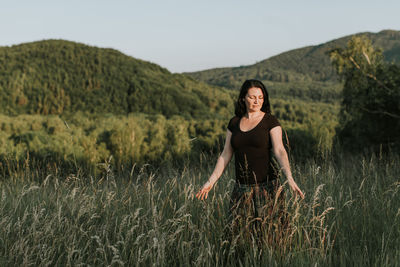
(266, 184)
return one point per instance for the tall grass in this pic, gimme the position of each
(350, 216)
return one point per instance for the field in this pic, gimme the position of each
(146, 216)
(101, 155)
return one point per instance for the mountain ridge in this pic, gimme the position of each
(305, 64)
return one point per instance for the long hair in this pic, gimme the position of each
(240, 107)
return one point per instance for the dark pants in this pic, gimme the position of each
(257, 214)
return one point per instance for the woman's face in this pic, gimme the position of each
(254, 99)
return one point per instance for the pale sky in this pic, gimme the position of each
(188, 35)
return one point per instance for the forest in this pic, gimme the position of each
(66, 101)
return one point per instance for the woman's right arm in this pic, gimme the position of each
(222, 161)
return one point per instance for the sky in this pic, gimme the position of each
(189, 35)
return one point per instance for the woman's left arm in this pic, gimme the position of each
(282, 157)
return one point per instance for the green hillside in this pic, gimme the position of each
(63, 77)
(305, 73)
(69, 102)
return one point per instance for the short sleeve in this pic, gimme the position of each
(273, 122)
(231, 124)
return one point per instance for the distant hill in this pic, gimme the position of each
(63, 77)
(303, 72)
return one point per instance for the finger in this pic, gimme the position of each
(200, 194)
(300, 193)
(206, 195)
(297, 190)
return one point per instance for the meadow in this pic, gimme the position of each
(101, 155)
(146, 215)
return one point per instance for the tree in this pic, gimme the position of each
(370, 109)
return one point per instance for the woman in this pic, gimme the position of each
(250, 136)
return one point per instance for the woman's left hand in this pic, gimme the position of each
(296, 189)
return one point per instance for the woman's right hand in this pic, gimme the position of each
(203, 192)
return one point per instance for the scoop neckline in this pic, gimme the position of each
(254, 126)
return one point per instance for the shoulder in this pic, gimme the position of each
(234, 119)
(270, 121)
(233, 122)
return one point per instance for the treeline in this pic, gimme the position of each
(369, 117)
(128, 139)
(140, 138)
(57, 77)
(310, 127)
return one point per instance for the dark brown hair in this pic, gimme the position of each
(240, 107)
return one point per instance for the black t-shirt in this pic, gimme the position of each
(252, 150)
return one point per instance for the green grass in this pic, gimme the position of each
(350, 217)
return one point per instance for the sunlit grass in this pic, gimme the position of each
(350, 216)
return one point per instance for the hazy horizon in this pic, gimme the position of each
(185, 37)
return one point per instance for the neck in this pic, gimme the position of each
(253, 114)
